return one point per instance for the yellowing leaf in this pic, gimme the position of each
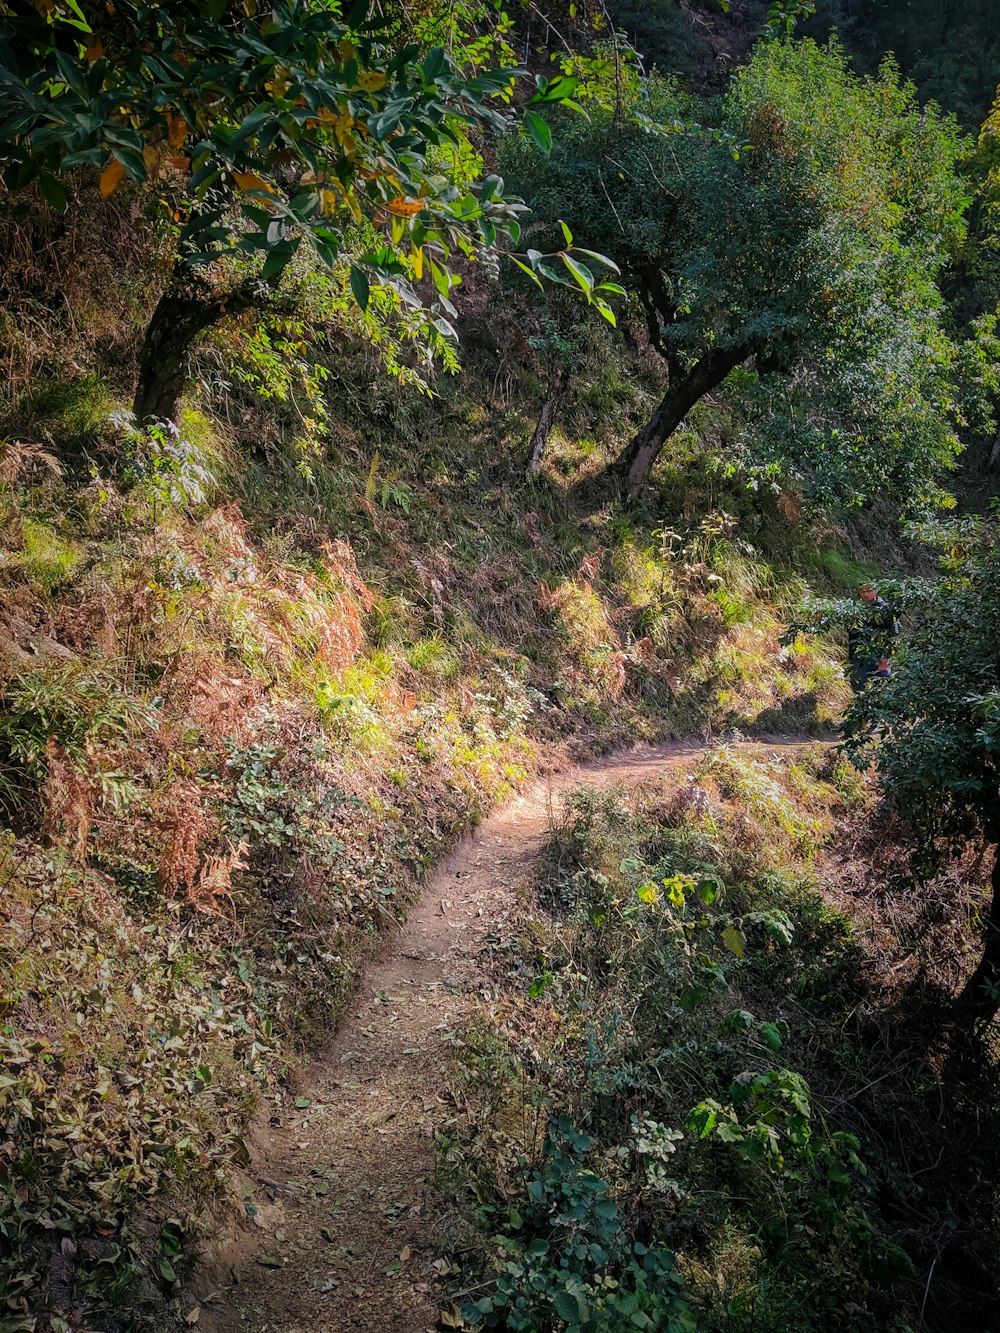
(249, 180)
(351, 199)
(111, 177)
(177, 131)
(151, 158)
(734, 940)
(417, 259)
(405, 208)
(647, 893)
(333, 197)
(371, 80)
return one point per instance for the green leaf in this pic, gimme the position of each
(435, 63)
(774, 1034)
(525, 269)
(53, 191)
(599, 258)
(703, 1118)
(361, 287)
(539, 131)
(440, 277)
(566, 232)
(708, 890)
(568, 1307)
(280, 257)
(606, 311)
(736, 1020)
(557, 91)
(580, 272)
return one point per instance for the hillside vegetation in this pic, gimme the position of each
(284, 610)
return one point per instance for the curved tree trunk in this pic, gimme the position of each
(635, 462)
(546, 418)
(181, 315)
(978, 998)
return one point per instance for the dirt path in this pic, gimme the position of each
(345, 1236)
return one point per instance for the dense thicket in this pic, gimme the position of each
(938, 725)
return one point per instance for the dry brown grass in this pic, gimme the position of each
(184, 823)
(67, 803)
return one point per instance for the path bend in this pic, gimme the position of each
(346, 1234)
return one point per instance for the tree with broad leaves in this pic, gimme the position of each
(264, 127)
(933, 727)
(799, 242)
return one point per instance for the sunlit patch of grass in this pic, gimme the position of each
(760, 785)
(48, 559)
(74, 412)
(389, 621)
(434, 657)
(835, 569)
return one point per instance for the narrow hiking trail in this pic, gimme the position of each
(347, 1228)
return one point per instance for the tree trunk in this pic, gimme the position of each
(978, 999)
(635, 462)
(546, 418)
(181, 314)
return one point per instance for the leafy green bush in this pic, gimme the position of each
(568, 1261)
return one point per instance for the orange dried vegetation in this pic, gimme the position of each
(185, 823)
(213, 883)
(67, 799)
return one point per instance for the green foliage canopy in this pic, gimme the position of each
(803, 239)
(264, 126)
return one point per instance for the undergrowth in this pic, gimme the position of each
(676, 1108)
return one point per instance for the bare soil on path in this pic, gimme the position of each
(347, 1226)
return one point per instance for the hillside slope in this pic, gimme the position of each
(257, 674)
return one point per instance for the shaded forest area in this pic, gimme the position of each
(397, 401)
